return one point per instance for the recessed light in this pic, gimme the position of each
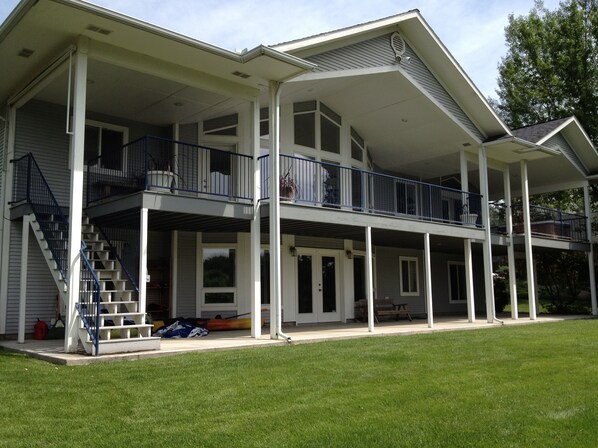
(404, 120)
(178, 104)
(466, 144)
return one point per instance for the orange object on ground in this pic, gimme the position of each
(230, 324)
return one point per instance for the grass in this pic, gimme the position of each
(518, 386)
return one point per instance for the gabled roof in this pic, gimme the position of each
(536, 132)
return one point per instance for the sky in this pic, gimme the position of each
(472, 30)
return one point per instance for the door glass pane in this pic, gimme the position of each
(112, 142)
(265, 276)
(304, 263)
(220, 172)
(92, 144)
(328, 284)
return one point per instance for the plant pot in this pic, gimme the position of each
(469, 219)
(158, 180)
(287, 194)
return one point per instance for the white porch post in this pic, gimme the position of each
(143, 226)
(511, 247)
(588, 209)
(6, 195)
(274, 168)
(76, 197)
(487, 243)
(174, 272)
(467, 245)
(369, 277)
(428, 281)
(23, 282)
(256, 297)
(527, 233)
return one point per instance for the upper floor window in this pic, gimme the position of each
(226, 125)
(305, 123)
(264, 122)
(104, 145)
(357, 146)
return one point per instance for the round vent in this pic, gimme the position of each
(397, 43)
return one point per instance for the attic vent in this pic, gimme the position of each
(241, 74)
(25, 52)
(97, 29)
(397, 43)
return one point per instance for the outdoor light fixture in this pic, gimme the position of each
(349, 254)
(293, 251)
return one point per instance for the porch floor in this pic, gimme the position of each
(53, 350)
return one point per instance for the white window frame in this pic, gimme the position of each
(402, 283)
(450, 289)
(111, 127)
(204, 290)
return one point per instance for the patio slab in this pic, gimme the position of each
(53, 350)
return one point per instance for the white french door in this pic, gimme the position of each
(317, 286)
(216, 170)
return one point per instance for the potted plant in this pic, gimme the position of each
(467, 218)
(160, 174)
(288, 186)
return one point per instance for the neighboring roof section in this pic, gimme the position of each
(536, 132)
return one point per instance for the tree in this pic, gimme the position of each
(551, 67)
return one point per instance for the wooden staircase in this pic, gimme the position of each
(122, 327)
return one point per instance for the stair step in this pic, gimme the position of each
(113, 346)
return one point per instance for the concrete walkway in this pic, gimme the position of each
(53, 350)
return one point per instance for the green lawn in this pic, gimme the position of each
(527, 386)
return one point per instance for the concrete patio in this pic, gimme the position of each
(53, 350)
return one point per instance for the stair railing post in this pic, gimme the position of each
(28, 191)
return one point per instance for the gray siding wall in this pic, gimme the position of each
(377, 52)
(559, 142)
(188, 133)
(187, 256)
(41, 289)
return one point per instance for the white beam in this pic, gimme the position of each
(428, 280)
(369, 277)
(274, 168)
(511, 247)
(143, 229)
(174, 273)
(76, 196)
(527, 233)
(467, 243)
(255, 241)
(23, 279)
(487, 243)
(588, 210)
(6, 195)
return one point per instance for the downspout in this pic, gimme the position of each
(275, 262)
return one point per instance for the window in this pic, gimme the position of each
(409, 276)
(265, 276)
(305, 126)
(357, 146)
(219, 275)
(457, 284)
(264, 122)
(305, 123)
(330, 130)
(226, 125)
(104, 145)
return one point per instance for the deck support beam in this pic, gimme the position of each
(428, 280)
(143, 230)
(275, 256)
(467, 244)
(255, 241)
(23, 279)
(511, 247)
(588, 213)
(487, 243)
(76, 196)
(527, 232)
(369, 277)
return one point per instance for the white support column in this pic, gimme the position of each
(487, 243)
(143, 229)
(588, 209)
(467, 244)
(76, 197)
(511, 247)
(274, 169)
(255, 242)
(469, 280)
(527, 231)
(23, 282)
(174, 273)
(6, 194)
(369, 277)
(428, 280)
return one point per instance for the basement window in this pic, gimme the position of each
(456, 278)
(219, 275)
(409, 276)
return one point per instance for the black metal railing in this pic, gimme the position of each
(123, 244)
(498, 219)
(159, 164)
(551, 223)
(88, 305)
(306, 181)
(30, 185)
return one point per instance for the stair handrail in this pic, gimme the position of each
(90, 278)
(61, 262)
(117, 256)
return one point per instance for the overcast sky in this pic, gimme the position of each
(472, 30)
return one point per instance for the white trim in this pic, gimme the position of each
(469, 280)
(214, 289)
(369, 277)
(529, 256)
(143, 241)
(402, 285)
(174, 272)
(487, 243)
(511, 247)
(450, 290)
(255, 235)
(428, 280)
(591, 267)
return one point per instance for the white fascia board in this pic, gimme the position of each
(316, 76)
(262, 50)
(320, 39)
